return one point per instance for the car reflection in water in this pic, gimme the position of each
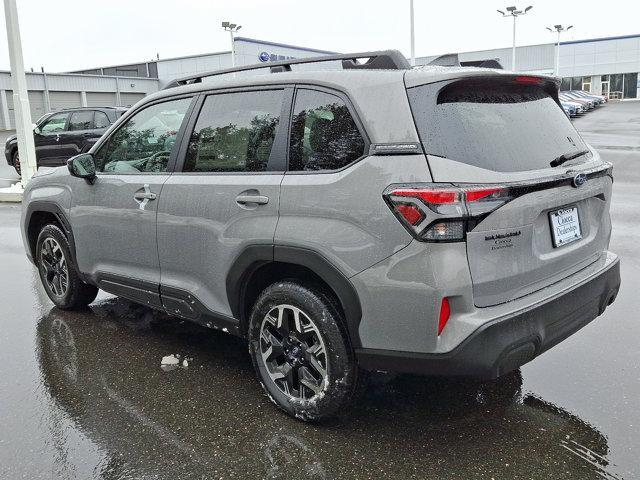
(211, 420)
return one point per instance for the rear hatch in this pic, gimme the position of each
(542, 212)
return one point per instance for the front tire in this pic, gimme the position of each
(58, 271)
(301, 353)
(16, 162)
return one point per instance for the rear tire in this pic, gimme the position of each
(59, 273)
(301, 353)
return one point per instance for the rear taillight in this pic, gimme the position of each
(442, 212)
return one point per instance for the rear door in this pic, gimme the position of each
(543, 222)
(79, 130)
(223, 197)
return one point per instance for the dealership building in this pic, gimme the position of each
(600, 65)
(607, 66)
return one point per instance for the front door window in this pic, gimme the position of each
(145, 141)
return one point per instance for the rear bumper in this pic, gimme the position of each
(507, 343)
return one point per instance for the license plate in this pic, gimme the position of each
(565, 226)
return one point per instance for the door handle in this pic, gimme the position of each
(257, 199)
(145, 196)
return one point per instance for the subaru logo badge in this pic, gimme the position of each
(264, 57)
(579, 180)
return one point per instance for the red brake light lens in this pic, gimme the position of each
(412, 214)
(529, 80)
(434, 197)
(473, 195)
(445, 312)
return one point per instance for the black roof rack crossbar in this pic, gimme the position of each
(382, 60)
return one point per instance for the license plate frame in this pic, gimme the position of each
(565, 225)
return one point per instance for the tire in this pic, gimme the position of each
(319, 344)
(16, 161)
(59, 273)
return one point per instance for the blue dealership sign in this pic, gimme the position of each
(264, 57)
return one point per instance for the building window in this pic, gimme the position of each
(630, 88)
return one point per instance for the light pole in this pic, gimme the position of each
(232, 28)
(413, 34)
(515, 13)
(559, 29)
(24, 127)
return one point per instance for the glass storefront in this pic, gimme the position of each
(618, 85)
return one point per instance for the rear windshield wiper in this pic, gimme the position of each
(556, 162)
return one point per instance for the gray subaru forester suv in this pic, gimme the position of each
(370, 217)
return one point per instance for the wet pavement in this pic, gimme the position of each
(83, 394)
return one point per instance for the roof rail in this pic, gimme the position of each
(381, 60)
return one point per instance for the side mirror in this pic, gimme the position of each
(82, 166)
(36, 129)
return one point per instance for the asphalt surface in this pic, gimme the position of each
(82, 395)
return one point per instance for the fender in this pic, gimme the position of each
(255, 256)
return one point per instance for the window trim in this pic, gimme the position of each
(171, 163)
(280, 141)
(352, 111)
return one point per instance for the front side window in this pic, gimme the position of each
(55, 123)
(145, 141)
(234, 132)
(324, 135)
(81, 120)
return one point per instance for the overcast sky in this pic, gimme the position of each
(74, 34)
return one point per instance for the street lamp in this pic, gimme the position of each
(514, 12)
(232, 28)
(559, 29)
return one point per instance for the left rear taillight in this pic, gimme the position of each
(441, 213)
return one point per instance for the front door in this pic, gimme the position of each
(49, 141)
(114, 219)
(223, 198)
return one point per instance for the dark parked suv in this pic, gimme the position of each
(60, 135)
(438, 220)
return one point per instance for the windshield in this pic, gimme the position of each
(499, 125)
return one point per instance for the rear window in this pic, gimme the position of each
(500, 126)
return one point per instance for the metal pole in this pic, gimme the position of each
(558, 56)
(24, 127)
(413, 34)
(513, 50)
(233, 49)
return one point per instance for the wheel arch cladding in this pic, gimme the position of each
(260, 265)
(40, 214)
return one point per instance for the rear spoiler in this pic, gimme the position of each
(453, 60)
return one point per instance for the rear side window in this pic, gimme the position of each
(498, 125)
(81, 120)
(324, 135)
(235, 132)
(101, 120)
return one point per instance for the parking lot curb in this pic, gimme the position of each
(12, 194)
